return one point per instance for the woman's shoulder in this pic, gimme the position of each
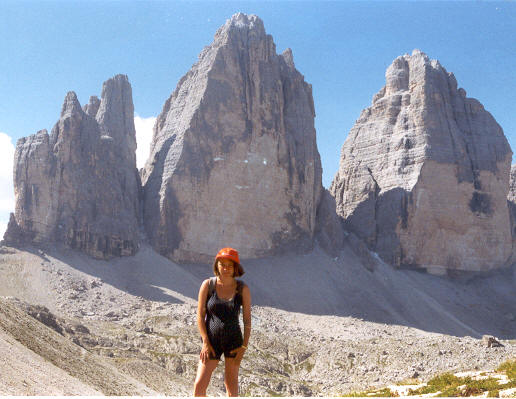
(205, 283)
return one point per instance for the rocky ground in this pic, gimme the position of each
(128, 326)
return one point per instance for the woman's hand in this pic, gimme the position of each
(206, 350)
(239, 353)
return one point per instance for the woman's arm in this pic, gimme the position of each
(246, 313)
(201, 323)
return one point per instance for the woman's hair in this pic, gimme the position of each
(238, 270)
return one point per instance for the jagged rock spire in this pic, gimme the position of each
(92, 107)
(79, 185)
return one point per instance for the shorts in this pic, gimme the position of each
(218, 354)
(226, 347)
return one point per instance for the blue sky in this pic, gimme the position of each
(342, 48)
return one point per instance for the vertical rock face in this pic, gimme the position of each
(511, 202)
(512, 185)
(328, 230)
(234, 160)
(79, 185)
(424, 173)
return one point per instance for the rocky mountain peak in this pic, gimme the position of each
(116, 111)
(241, 21)
(242, 32)
(71, 105)
(408, 72)
(80, 186)
(289, 58)
(424, 173)
(92, 107)
(243, 119)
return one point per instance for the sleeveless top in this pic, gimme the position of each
(222, 319)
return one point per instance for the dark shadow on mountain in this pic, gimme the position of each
(342, 286)
(150, 276)
(318, 284)
(376, 219)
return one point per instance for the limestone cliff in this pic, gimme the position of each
(424, 173)
(511, 202)
(234, 160)
(79, 185)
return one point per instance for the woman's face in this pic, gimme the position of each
(226, 267)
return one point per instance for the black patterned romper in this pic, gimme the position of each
(222, 321)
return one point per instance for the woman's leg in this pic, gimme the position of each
(231, 367)
(203, 377)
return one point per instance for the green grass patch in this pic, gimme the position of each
(451, 386)
(162, 354)
(441, 383)
(409, 381)
(379, 393)
(385, 393)
(288, 368)
(478, 387)
(305, 365)
(248, 391)
(509, 367)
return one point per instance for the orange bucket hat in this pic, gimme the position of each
(231, 254)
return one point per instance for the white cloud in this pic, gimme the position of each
(6, 180)
(6, 156)
(3, 228)
(6, 173)
(144, 128)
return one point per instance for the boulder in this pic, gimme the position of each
(491, 342)
(79, 185)
(234, 160)
(424, 174)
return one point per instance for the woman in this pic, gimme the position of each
(218, 309)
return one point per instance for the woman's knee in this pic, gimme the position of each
(203, 377)
(231, 372)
